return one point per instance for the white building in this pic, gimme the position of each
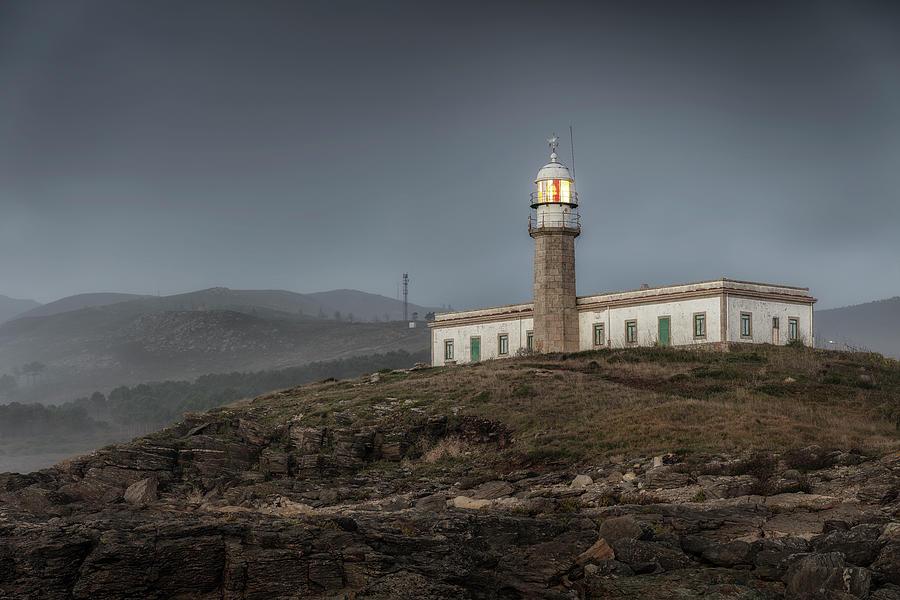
(692, 314)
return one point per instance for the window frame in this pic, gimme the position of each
(601, 328)
(529, 340)
(502, 337)
(702, 315)
(635, 340)
(795, 321)
(749, 333)
(448, 344)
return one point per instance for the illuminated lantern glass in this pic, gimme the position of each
(554, 190)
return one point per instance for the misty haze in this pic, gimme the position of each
(288, 301)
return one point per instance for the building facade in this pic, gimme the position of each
(713, 312)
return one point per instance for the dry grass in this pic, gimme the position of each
(641, 401)
(446, 449)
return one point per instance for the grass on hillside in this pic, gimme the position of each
(632, 402)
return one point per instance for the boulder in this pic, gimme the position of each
(581, 481)
(880, 492)
(771, 555)
(470, 503)
(90, 490)
(695, 544)
(620, 527)
(600, 551)
(606, 568)
(792, 475)
(729, 555)
(859, 545)
(493, 489)
(432, 503)
(142, 492)
(665, 478)
(887, 564)
(724, 486)
(648, 557)
(818, 575)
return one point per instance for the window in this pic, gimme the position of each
(599, 338)
(699, 325)
(529, 340)
(793, 329)
(774, 322)
(503, 343)
(630, 332)
(746, 330)
(448, 350)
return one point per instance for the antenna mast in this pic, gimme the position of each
(406, 296)
(572, 140)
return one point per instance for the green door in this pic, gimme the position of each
(476, 349)
(664, 331)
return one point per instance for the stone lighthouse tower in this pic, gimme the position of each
(554, 224)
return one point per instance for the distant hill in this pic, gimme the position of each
(77, 302)
(11, 307)
(99, 341)
(872, 326)
(103, 347)
(361, 306)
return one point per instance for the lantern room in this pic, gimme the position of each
(555, 185)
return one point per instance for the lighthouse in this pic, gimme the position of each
(554, 224)
(714, 313)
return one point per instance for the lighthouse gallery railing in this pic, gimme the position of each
(570, 220)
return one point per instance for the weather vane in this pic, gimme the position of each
(554, 142)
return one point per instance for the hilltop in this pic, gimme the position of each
(361, 306)
(761, 473)
(77, 302)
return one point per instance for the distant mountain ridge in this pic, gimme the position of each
(101, 343)
(361, 306)
(78, 302)
(12, 307)
(872, 326)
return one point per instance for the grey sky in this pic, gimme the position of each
(171, 146)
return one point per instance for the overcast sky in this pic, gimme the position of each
(170, 146)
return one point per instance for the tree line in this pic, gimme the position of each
(150, 406)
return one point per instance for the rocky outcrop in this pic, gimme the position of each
(223, 507)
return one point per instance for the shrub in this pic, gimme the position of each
(570, 505)
(447, 448)
(482, 397)
(808, 459)
(522, 391)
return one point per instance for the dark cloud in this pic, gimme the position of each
(169, 146)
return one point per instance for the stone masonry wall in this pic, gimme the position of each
(555, 315)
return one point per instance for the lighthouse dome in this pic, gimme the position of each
(553, 170)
